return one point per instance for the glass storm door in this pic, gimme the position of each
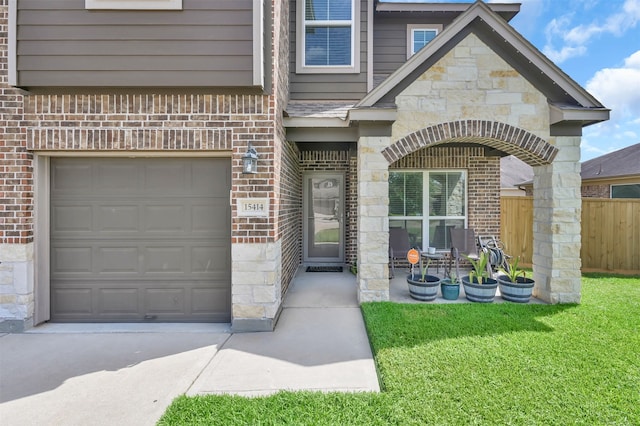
(323, 218)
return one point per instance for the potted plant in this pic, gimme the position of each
(478, 285)
(423, 286)
(514, 284)
(450, 286)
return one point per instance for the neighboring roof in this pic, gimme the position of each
(506, 10)
(514, 171)
(624, 162)
(572, 101)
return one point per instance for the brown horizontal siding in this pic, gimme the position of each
(329, 86)
(390, 39)
(209, 43)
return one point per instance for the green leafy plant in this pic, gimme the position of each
(513, 273)
(424, 270)
(479, 272)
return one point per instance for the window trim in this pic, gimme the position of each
(301, 68)
(133, 4)
(426, 217)
(621, 184)
(411, 28)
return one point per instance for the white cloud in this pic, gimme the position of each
(573, 39)
(618, 88)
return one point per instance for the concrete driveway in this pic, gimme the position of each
(98, 378)
(66, 374)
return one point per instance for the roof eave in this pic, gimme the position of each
(505, 10)
(315, 122)
(569, 113)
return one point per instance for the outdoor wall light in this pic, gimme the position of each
(250, 160)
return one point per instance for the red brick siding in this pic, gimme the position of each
(160, 122)
(290, 214)
(16, 163)
(351, 251)
(287, 173)
(596, 191)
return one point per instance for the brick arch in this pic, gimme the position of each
(528, 147)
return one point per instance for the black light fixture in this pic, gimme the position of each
(250, 161)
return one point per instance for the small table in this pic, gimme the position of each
(436, 256)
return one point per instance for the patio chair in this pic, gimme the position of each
(464, 245)
(399, 246)
(464, 240)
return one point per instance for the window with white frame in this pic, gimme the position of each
(133, 4)
(427, 204)
(625, 191)
(418, 36)
(327, 36)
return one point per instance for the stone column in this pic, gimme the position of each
(256, 299)
(16, 287)
(373, 220)
(557, 209)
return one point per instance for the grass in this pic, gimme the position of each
(503, 364)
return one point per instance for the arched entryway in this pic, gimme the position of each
(376, 155)
(511, 140)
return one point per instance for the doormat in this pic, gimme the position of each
(324, 268)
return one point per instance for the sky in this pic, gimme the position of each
(597, 43)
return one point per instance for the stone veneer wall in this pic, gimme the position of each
(557, 209)
(373, 220)
(473, 86)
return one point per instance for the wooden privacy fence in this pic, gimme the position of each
(610, 232)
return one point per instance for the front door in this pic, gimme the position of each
(323, 218)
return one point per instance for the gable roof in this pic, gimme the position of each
(624, 162)
(559, 88)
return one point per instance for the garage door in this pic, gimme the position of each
(140, 240)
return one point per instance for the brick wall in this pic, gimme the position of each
(16, 164)
(342, 162)
(159, 122)
(290, 215)
(351, 251)
(596, 191)
(287, 166)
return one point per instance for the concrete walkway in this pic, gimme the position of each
(320, 343)
(127, 374)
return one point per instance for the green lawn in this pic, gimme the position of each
(475, 364)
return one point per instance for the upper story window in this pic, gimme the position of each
(418, 36)
(134, 4)
(327, 36)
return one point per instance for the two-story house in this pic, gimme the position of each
(126, 125)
